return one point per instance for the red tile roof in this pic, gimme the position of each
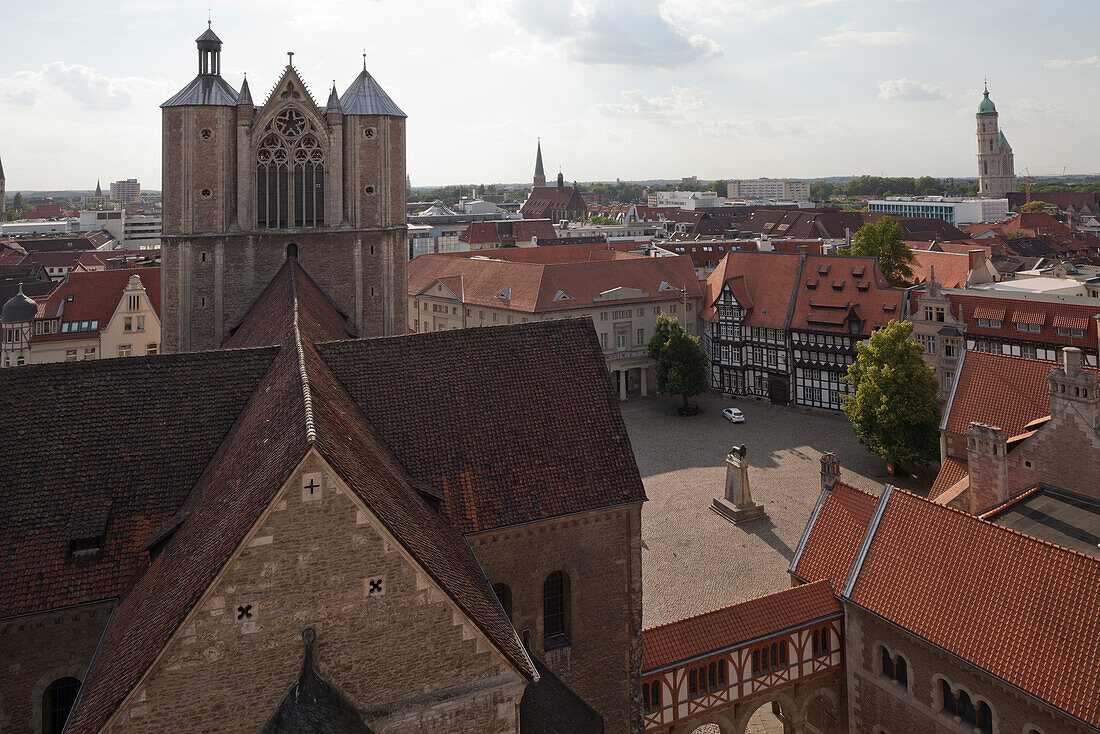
(835, 290)
(998, 390)
(738, 623)
(544, 200)
(952, 269)
(1024, 610)
(1009, 310)
(537, 288)
(508, 232)
(96, 295)
(548, 254)
(951, 471)
(833, 535)
(763, 283)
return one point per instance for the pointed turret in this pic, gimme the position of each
(98, 190)
(208, 88)
(540, 173)
(244, 97)
(333, 104)
(1, 170)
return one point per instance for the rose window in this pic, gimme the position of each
(290, 123)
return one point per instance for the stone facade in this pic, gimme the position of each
(996, 170)
(600, 553)
(941, 333)
(39, 649)
(386, 634)
(229, 220)
(879, 704)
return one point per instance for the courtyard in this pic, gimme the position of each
(693, 560)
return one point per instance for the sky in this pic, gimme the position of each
(629, 89)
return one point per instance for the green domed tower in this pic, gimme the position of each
(996, 168)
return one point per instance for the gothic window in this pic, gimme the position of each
(290, 175)
(57, 700)
(555, 610)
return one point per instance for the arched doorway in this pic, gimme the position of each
(766, 720)
(778, 392)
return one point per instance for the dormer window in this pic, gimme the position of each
(506, 294)
(563, 296)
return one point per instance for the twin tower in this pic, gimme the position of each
(245, 187)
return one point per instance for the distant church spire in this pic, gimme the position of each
(540, 174)
(98, 190)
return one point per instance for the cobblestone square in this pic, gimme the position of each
(693, 560)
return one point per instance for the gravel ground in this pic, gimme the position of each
(693, 560)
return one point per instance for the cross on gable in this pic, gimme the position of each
(313, 485)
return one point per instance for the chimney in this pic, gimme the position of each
(830, 471)
(987, 462)
(1071, 361)
(975, 257)
(1073, 391)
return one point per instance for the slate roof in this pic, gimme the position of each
(205, 89)
(366, 97)
(833, 535)
(684, 639)
(549, 706)
(1025, 610)
(999, 390)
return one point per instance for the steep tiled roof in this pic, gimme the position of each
(766, 279)
(539, 456)
(998, 390)
(833, 535)
(544, 199)
(532, 287)
(111, 440)
(765, 615)
(951, 471)
(952, 269)
(835, 288)
(96, 294)
(1024, 610)
(1053, 314)
(547, 255)
(508, 232)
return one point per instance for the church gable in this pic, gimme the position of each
(289, 91)
(388, 636)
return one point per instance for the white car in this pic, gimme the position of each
(733, 415)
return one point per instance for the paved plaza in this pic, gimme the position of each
(693, 560)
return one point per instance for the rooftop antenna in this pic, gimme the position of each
(364, 59)
(209, 17)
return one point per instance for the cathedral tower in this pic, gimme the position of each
(996, 170)
(247, 186)
(540, 174)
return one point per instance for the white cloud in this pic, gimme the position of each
(847, 35)
(907, 90)
(1092, 62)
(622, 32)
(635, 103)
(90, 89)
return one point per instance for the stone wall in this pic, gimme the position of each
(403, 653)
(38, 649)
(879, 704)
(600, 551)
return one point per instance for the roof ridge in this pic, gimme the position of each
(303, 373)
(1013, 531)
(865, 544)
(734, 604)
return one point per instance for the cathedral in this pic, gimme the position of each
(996, 172)
(244, 185)
(282, 526)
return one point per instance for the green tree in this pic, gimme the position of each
(17, 202)
(885, 240)
(893, 405)
(681, 363)
(721, 188)
(822, 190)
(1035, 206)
(598, 219)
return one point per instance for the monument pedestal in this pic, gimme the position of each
(738, 514)
(737, 505)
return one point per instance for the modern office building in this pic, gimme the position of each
(126, 191)
(768, 189)
(953, 210)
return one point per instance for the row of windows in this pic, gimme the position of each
(824, 357)
(769, 658)
(954, 702)
(706, 678)
(556, 617)
(828, 340)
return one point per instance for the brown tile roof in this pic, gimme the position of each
(1009, 310)
(709, 632)
(802, 223)
(998, 390)
(1024, 610)
(763, 282)
(833, 535)
(549, 254)
(952, 269)
(112, 436)
(538, 457)
(835, 290)
(545, 199)
(538, 288)
(951, 471)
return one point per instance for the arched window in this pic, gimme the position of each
(693, 682)
(57, 701)
(887, 663)
(555, 610)
(901, 672)
(504, 594)
(290, 174)
(292, 251)
(964, 709)
(985, 718)
(948, 696)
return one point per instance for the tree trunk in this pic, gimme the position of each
(685, 397)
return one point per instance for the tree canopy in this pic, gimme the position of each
(885, 240)
(893, 405)
(681, 363)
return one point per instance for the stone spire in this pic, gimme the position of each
(540, 173)
(3, 193)
(333, 104)
(244, 97)
(98, 189)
